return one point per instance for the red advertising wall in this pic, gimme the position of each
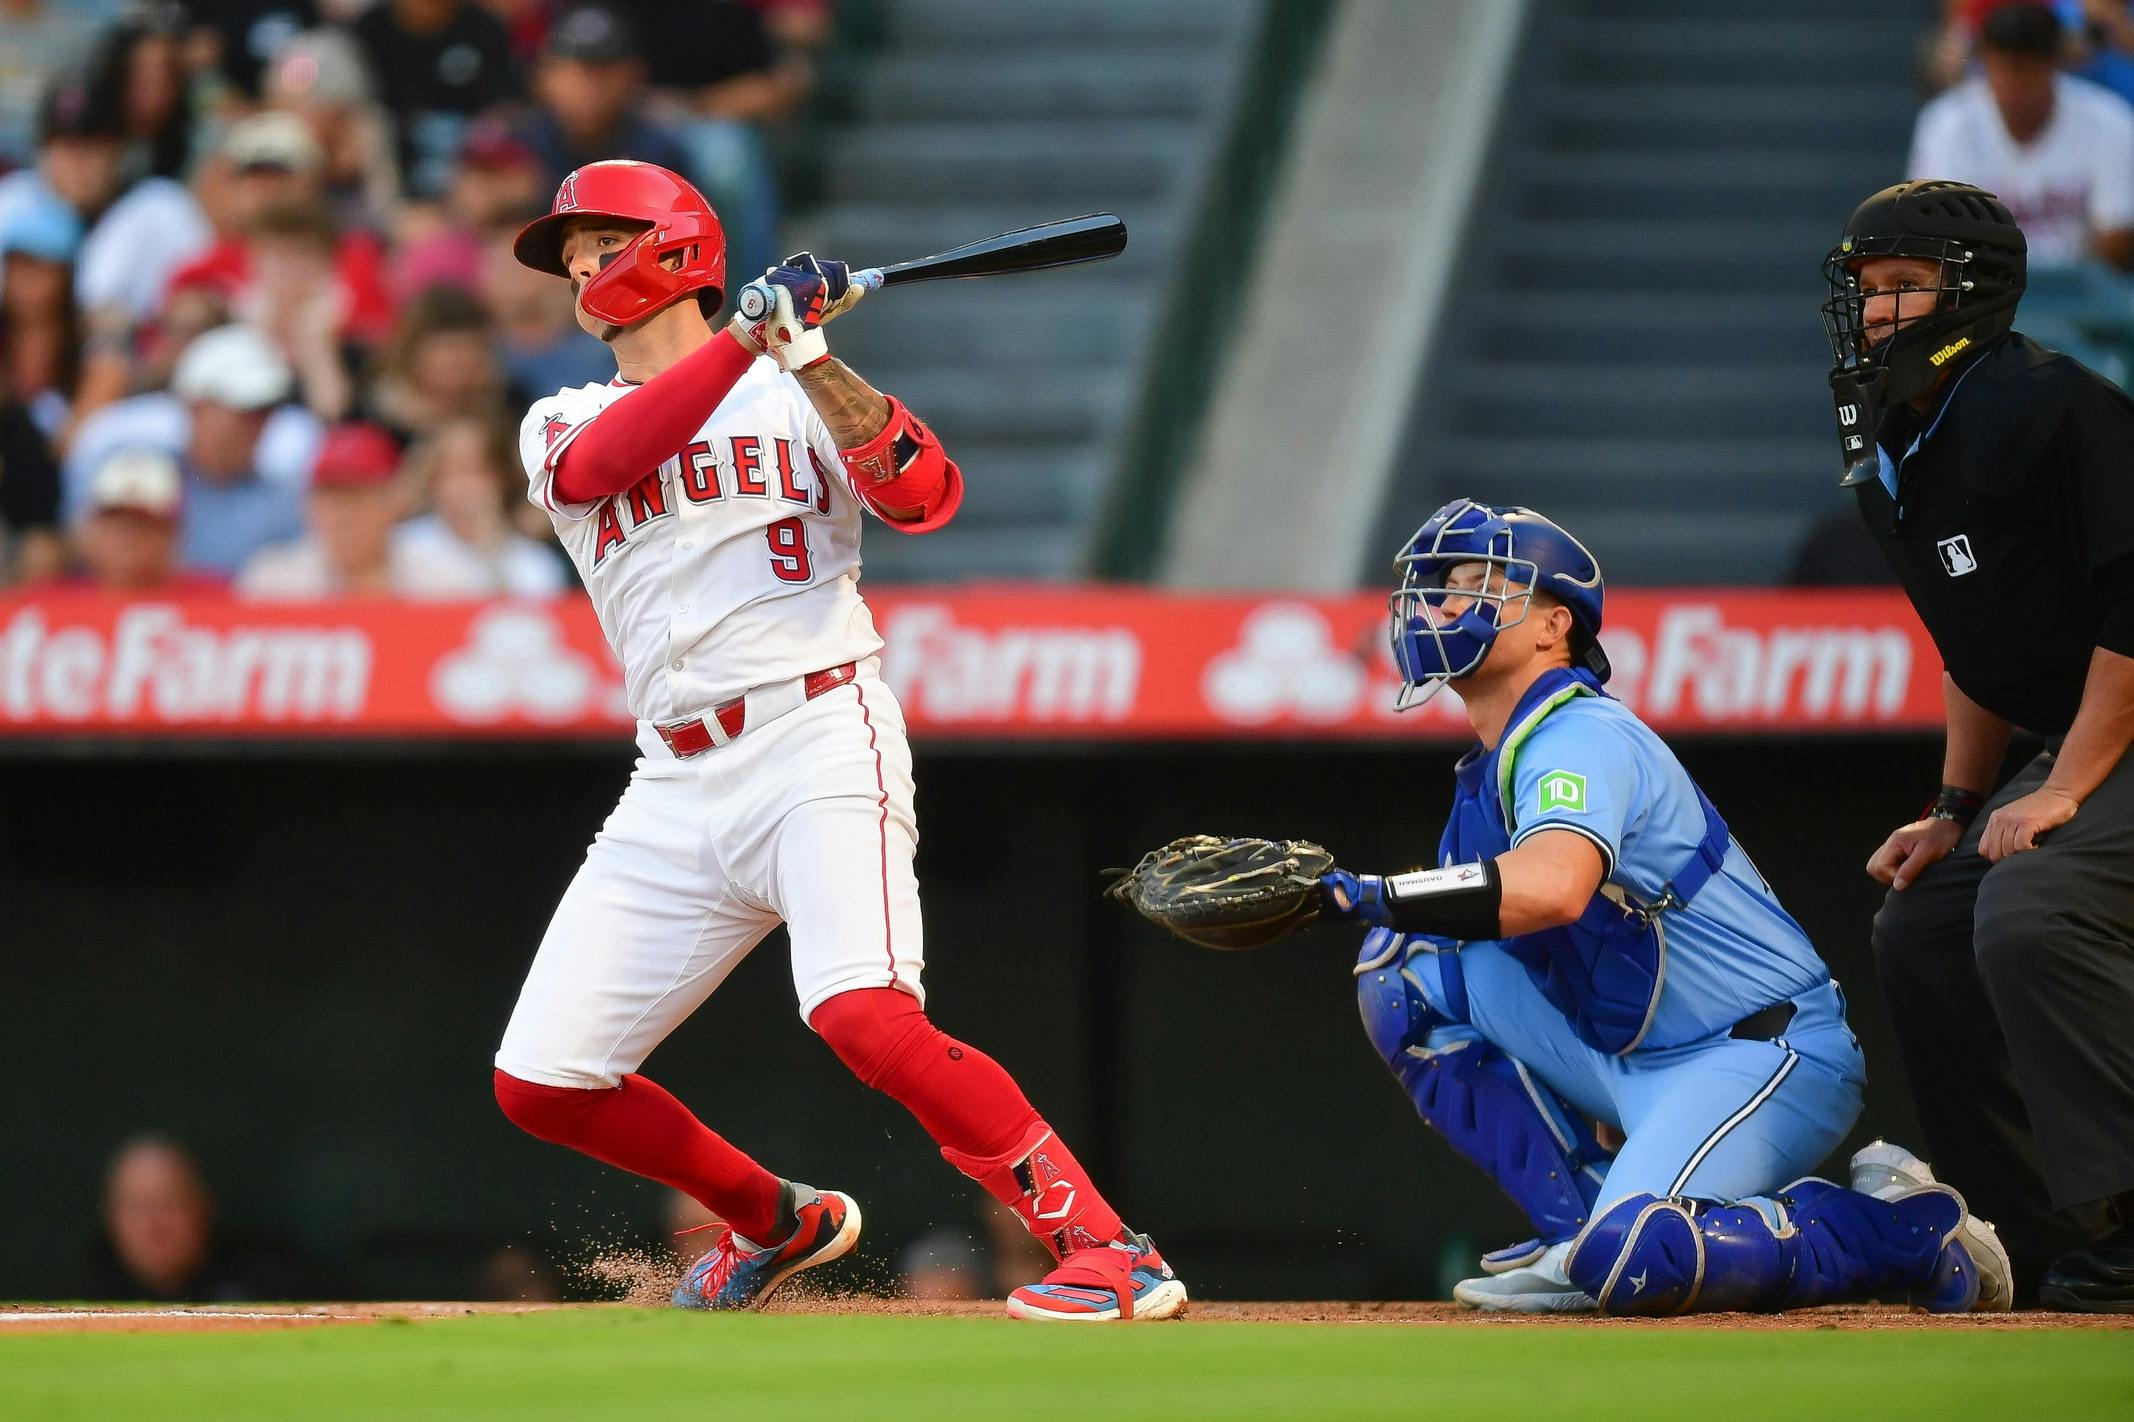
(1007, 663)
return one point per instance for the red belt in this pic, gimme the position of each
(694, 737)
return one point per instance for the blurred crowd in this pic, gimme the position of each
(165, 1237)
(260, 327)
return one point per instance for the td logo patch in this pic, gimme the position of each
(1564, 790)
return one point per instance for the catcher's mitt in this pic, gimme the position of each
(1227, 893)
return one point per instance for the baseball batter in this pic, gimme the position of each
(1598, 957)
(711, 496)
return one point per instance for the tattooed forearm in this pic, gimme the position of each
(854, 410)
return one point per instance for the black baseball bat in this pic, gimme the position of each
(1065, 243)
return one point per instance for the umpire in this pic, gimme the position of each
(1998, 477)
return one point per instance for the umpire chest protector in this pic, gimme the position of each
(1605, 971)
(2007, 511)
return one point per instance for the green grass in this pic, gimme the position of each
(755, 1368)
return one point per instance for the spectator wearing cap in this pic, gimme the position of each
(273, 201)
(321, 78)
(350, 548)
(2058, 151)
(586, 94)
(466, 546)
(497, 187)
(128, 543)
(439, 63)
(720, 78)
(38, 39)
(40, 327)
(137, 233)
(243, 458)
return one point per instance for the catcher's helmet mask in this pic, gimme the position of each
(1522, 553)
(1979, 256)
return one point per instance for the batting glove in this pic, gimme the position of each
(780, 314)
(839, 294)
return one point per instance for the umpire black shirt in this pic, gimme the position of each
(2011, 526)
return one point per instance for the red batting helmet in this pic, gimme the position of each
(633, 284)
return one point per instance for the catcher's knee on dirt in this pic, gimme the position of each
(1814, 1243)
(1489, 1107)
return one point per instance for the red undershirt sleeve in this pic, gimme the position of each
(633, 437)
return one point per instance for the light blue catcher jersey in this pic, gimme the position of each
(1592, 767)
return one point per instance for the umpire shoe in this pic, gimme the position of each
(1886, 1170)
(1539, 1287)
(738, 1274)
(2098, 1278)
(1124, 1280)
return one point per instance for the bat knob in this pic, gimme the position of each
(755, 301)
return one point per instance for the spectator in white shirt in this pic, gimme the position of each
(467, 543)
(2058, 151)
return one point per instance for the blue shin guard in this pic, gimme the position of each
(1490, 1108)
(1815, 1243)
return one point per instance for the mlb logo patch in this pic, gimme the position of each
(1564, 790)
(1957, 558)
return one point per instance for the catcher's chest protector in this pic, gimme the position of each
(1606, 970)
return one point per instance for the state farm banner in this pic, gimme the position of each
(1003, 663)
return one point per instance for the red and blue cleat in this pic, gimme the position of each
(731, 1276)
(1126, 1279)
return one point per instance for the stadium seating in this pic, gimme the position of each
(973, 118)
(1633, 343)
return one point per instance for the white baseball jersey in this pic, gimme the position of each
(734, 564)
(2074, 179)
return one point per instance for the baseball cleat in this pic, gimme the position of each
(1525, 1253)
(735, 1276)
(1126, 1279)
(1539, 1287)
(2098, 1278)
(1975, 1275)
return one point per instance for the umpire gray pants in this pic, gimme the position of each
(2012, 989)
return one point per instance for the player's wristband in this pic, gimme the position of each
(1462, 901)
(1953, 802)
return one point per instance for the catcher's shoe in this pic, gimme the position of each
(1975, 1260)
(1539, 1286)
(1126, 1279)
(735, 1276)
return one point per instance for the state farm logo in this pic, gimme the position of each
(948, 672)
(1285, 663)
(515, 663)
(154, 665)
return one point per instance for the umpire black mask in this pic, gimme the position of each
(1978, 252)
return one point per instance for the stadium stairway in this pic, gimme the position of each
(1632, 344)
(974, 117)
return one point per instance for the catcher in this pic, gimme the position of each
(1596, 957)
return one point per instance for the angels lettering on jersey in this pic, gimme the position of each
(746, 467)
(733, 564)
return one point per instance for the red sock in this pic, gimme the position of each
(975, 1112)
(640, 1127)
